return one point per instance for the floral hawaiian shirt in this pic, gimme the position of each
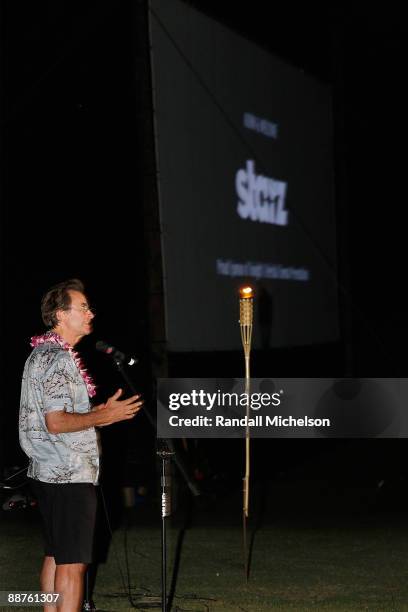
(52, 381)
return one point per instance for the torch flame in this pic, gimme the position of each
(246, 292)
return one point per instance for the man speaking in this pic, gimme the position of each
(57, 433)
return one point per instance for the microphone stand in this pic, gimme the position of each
(166, 454)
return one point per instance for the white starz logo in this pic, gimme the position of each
(260, 198)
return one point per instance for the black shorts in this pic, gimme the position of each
(68, 512)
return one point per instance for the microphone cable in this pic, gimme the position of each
(126, 584)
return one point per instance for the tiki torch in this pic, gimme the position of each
(246, 315)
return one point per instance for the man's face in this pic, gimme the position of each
(77, 320)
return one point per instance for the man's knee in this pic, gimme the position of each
(49, 561)
(72, 569)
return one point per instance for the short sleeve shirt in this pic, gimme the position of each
(52, 381)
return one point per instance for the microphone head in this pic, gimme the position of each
(117, 355)
(104, 347)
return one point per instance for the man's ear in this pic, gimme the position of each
(60, 315)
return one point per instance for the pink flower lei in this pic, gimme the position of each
(54, 338)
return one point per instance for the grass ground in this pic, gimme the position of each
(301, 561)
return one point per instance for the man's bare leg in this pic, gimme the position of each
(69, 582)
(47, 579)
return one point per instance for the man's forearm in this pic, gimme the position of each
(68, 422)
(113, 411)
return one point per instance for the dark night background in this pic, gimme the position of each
(73, 180)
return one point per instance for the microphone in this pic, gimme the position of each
(108, 349)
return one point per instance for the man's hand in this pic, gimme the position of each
(115, 410)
